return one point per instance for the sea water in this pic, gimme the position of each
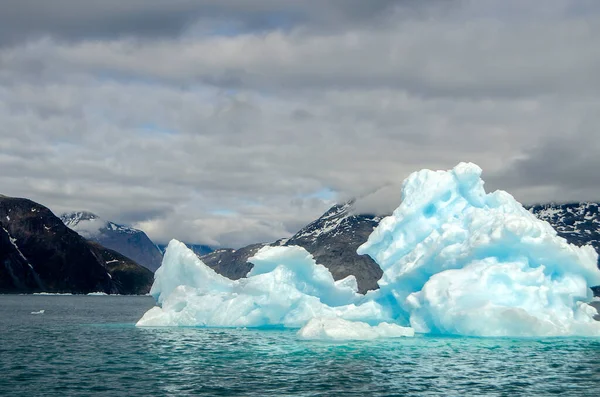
(88, 345)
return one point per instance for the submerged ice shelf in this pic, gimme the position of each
(455, 260)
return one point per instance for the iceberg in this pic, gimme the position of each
(455, 260)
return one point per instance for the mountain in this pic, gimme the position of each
(39, 253)
(132, 243)
(334, 237)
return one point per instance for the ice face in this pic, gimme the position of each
(459, 261)
(182, 268)
(492, 298)
(455, 260)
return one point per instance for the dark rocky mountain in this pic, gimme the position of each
(132, 243)
(335, 236)
(198, 249)
(127, 274)
(38, 253)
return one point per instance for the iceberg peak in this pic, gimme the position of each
(457, 260)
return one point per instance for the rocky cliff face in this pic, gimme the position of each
(39, 253)
(132, 243)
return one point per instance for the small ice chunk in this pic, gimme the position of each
(39, 312)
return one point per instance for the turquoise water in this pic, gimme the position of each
(88, 345)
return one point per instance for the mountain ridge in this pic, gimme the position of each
(130, 242)
(38, 253)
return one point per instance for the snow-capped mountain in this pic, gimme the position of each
(91, 225)
(133, 243)
(337, 220)
(39, 253)
(333, 239)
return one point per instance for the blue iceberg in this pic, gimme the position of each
(455, 260)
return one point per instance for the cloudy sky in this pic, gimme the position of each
(227, 122)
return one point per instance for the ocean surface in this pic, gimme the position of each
(88, 345)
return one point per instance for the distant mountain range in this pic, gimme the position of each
(38, 253)
(133, 243)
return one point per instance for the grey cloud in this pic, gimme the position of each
(382, 201)
(74, 20)
(112, 169)
(481, 59)
(31, 19)
(564, 166)
(228, 139)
